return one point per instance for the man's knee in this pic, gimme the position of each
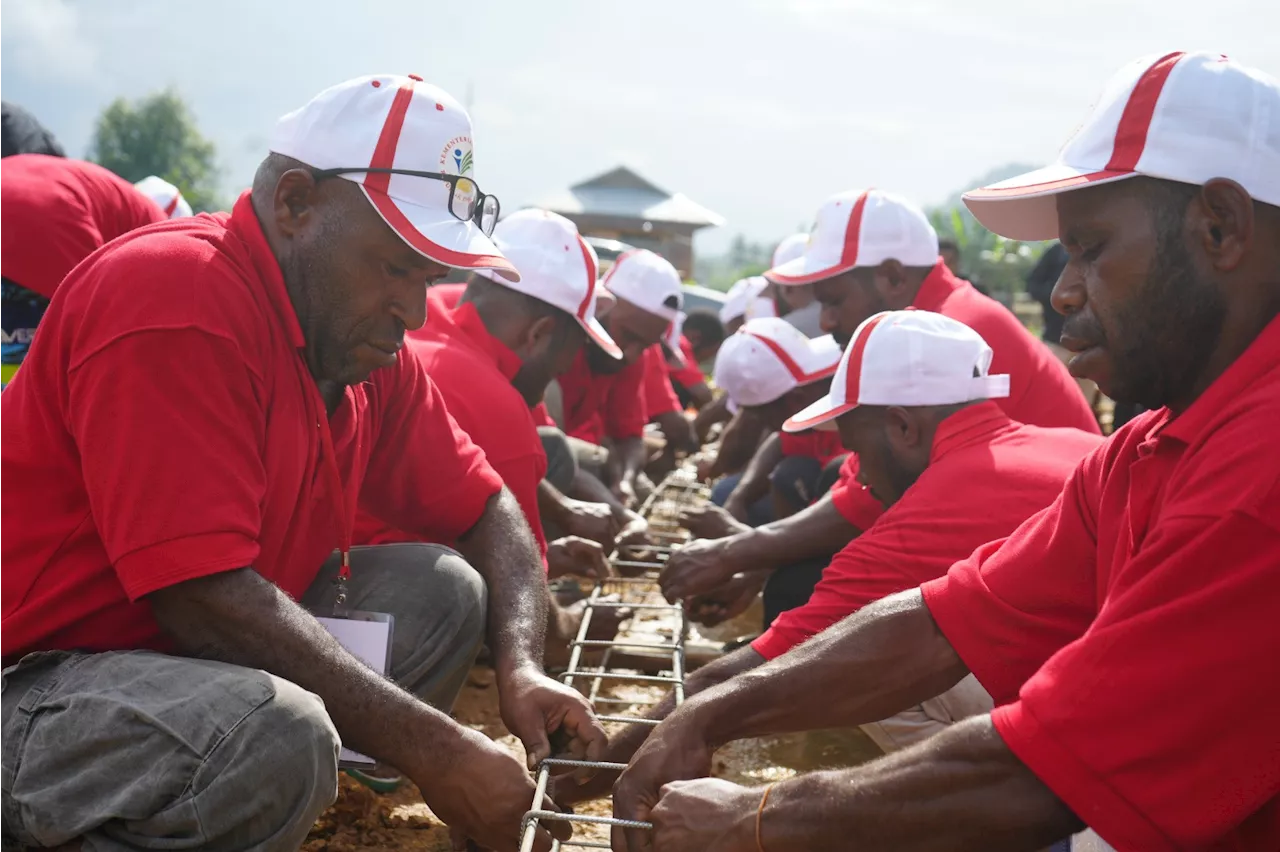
(292, 741)
(795, 479)
(561, 464)
(459, 586)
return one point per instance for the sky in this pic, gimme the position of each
(757, 110)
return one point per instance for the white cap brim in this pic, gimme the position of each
(816, 415)
(804, 270)
(1026, 207)
(438, 235)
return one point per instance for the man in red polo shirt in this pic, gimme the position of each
(604, 399)
(204, 408)
(873, 251)
(769, 370)
(1122, 629)
(493, 350)
(953, 472)
(57, 212)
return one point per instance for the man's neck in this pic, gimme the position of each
(331, 392)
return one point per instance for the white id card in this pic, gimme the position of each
(367, 635)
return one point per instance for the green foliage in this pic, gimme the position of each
(998, 264)
(744, 259)
(157, 135)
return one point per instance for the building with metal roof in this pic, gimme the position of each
(622, 205)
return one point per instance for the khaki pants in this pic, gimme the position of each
(139, 750)
(967, 698)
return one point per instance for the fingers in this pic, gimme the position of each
(559, 829)
(536, 745)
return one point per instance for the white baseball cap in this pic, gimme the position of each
(166, 196)
(647, 281)
(907, 358)
(1186, 117)
(397, 122)
(789, 249)
(768, 357)
(672, 340)
(741, 297)
(861, 228)
(556, 266)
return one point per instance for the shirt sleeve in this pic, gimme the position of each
(171, 452)
(659, 396)
(1156, 725)
(690, 374)
(425, 474)
(863, 572)
(853, 501)
(624, 407)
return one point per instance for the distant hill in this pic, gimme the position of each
(999, 173)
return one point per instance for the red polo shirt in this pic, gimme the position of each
(1129, 631)
(600, 405)
(816, 444)
(165, 427)
(659, 396)
(473, 370)
(986, 475)
(1041, 391)
(690, 374)
(57, 212)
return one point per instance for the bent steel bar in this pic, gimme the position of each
(642, 596)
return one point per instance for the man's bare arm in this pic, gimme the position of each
(754, 483)
(961, 789)
(815, 531)
(737, 444)
(501, 547)
(238, 617)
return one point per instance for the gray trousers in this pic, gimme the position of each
(139, 750)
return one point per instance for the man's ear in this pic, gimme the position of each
(295, 201)
(1223, 222)
(540, 333)
(902, 429)
(890, 277)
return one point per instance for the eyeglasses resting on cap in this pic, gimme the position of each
(466, 202)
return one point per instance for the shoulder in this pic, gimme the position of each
(188, 274)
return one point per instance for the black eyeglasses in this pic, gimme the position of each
(466, 202)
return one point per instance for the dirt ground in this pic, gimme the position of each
(362, 819)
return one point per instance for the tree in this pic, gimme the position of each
(1000, 265)
(157, 135)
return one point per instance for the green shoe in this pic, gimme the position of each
(376, 783)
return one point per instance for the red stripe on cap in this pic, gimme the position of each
(376, 185)
(852, 231)
(384, 153)
(796, 371)
(1135, 121)
(589, 260)
(853, 381)
(173, 203)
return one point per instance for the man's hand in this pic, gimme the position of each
(635, 534)
(736, 507)
(675, 751)
(625, 491)
(711, 521)
(594, 521)
(577, 556)
(483, 794)
(533, 706)
(729, 601)
(698, 568)
(706, 815)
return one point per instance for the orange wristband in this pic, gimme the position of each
(764, 800)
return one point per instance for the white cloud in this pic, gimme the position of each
(45, 37)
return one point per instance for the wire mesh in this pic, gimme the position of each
(639, 592)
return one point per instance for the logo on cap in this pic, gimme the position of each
(458, 152)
